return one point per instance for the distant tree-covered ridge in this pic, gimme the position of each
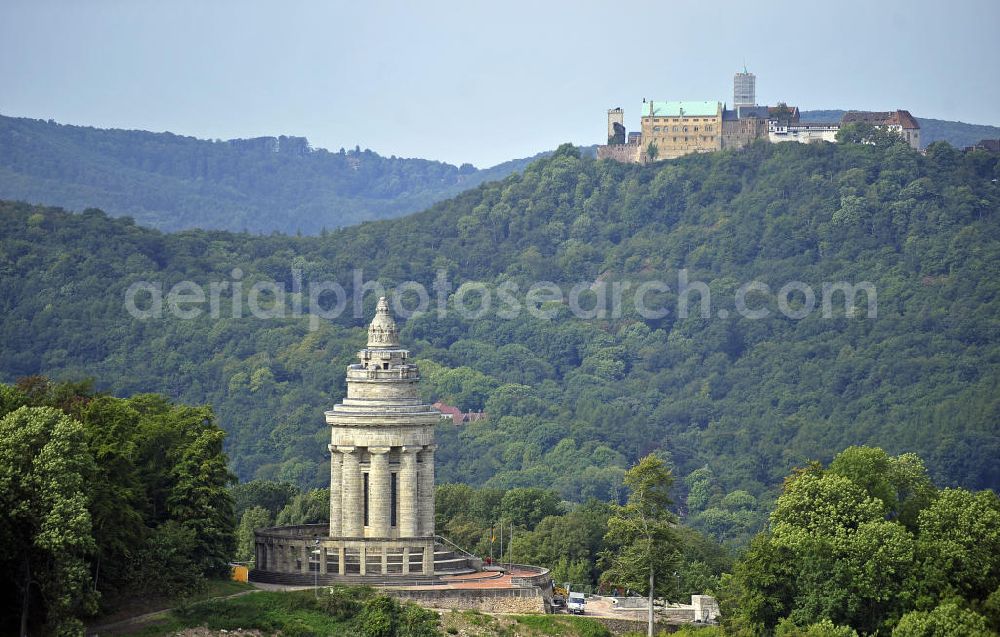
(173, 182)
(261, 185)
(733, 403)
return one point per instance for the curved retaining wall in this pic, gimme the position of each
(489, 600)
(540, 577)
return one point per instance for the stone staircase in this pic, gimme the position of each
(449, 562)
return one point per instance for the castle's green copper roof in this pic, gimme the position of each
(679, 109)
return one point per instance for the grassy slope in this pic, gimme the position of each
(295, 613)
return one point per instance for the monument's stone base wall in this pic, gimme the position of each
(310, 579)
(502, 600)
(307, 550)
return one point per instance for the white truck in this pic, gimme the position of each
(575, 603)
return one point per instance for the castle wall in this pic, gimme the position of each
(803, 133)
(625, 153)
(737, 133)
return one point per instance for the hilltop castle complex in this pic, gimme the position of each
(676, 128)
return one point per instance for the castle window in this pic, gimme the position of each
(365, 491)
(685, 130)
(392, 499)
(656, 129)
(696, 129)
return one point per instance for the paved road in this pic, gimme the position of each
(602, 607)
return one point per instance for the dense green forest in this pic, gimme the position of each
(256, 185)
(733, 404)
(107, 500)
(103, 499)
(871, 546)
(866, 545)
(958, 134)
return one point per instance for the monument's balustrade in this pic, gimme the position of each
(307, 552)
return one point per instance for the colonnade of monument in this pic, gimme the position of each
(413, 468)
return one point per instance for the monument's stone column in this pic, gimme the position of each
(408, 493)
(336, 498)
(378, 493)
(426, 490)
(352, 519)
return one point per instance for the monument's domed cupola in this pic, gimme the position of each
(383, 331)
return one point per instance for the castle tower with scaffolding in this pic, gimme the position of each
(744, 90)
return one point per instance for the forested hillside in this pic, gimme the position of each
(733, 403)
(172, 182)
(265, 184)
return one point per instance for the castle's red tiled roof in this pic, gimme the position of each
(882, 118)
(793, 112)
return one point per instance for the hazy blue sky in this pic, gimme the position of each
(479, 82)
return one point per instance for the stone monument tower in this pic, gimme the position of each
(381, 484)
(382, 462)
(381, 528)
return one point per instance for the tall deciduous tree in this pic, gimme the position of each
(958, 548)
(901, 483)
(45, 525)
(116, 495)
(831, 554)
(252, 519)
(947, 620)
(201, 501)
(644, 551)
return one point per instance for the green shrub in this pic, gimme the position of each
(378, 617)
(343, 602)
